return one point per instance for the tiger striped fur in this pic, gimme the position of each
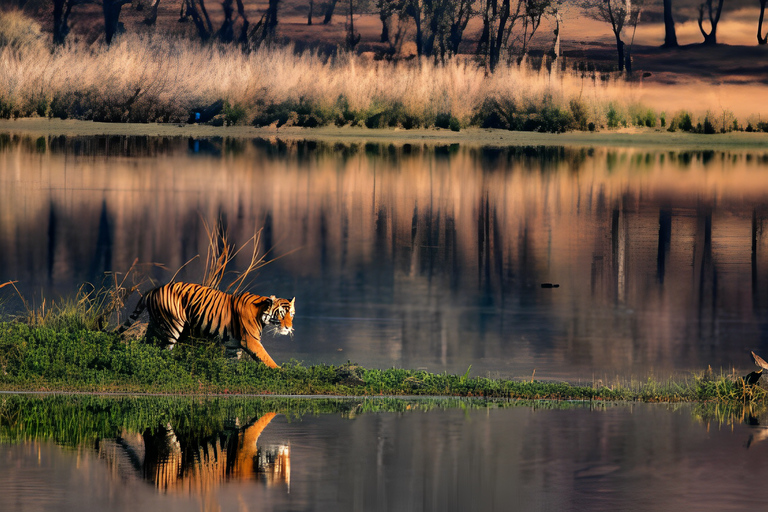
(177, 309)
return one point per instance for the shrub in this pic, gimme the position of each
(555, 119)
(579, 112)
(443, 120)
(682, 120)
(615, 118)
(234, 113)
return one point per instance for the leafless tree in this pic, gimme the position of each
(714, 17)
(617, 13)
(761, 39)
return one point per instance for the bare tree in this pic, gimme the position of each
(618, 13)
(534, 11)
(760, 38)
(714, 17)
(311, 9)
(501, 18)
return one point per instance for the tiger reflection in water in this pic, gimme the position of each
(197, 465)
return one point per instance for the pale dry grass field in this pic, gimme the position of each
(145, 78)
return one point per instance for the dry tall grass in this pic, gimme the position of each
(148, 79)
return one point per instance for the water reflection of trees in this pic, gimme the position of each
(660, 254)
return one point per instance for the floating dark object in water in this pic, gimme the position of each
(549, 285)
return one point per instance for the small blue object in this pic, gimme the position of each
(197, 116)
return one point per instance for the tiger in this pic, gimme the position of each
(178, 309)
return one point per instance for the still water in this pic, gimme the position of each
(129, 453)
(422, 256)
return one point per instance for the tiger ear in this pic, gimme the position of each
(293, 300)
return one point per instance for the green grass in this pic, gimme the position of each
(70, 357)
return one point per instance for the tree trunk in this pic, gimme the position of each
(558, 22)
(760, 38)
(60, 28)
(329, 12)
(311, 8)
(227, 32)
(192, 12)
(670, 37)
(112, 10)
(416, 15)
(246, 24)
(620, 50)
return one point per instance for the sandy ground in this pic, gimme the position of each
(641, 138)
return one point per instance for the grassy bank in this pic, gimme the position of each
(72, 358)
(162, 79)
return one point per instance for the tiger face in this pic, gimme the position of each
(279, 315)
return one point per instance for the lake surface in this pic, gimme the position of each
(128, 453)
(421, 256)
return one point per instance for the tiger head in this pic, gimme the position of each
(279, 315)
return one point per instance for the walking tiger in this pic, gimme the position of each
(179, 309)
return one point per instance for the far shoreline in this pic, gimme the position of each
(630, 137)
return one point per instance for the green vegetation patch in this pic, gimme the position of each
(74, 358)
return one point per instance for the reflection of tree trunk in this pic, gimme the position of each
(760, 38)
(665, 240)
(705, 270)
(619, 243)
(757, 228)
(670, 37)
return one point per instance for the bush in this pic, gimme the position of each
(555, 120)
(579, 112)
(615, 118)
(234, 113)
(682, 120)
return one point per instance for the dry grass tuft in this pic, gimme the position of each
(221, 254)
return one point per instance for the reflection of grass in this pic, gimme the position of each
(75, 358)
(72, 420)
